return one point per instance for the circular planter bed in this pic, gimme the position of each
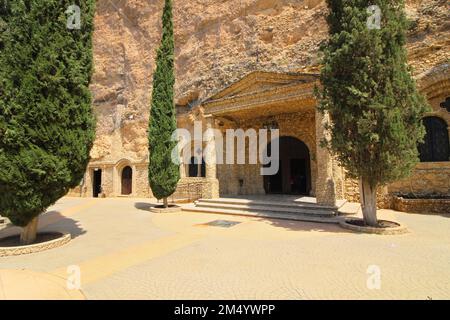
(385, 227)
(10, 246)
(160, 209)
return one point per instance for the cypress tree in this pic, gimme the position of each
(46, 121)
(370, 96)
(163, 173)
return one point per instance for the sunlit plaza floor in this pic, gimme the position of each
(125, 252)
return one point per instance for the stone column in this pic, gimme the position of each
(182, 170)
(83, 191)
(325, 184)
(88, 190)
(211, 187)
(338, 176)
(448, 128)
(108, 181)
(230, 168)
(199, 167)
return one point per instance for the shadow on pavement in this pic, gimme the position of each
(50, 221)
(143, 206)
(307, 226)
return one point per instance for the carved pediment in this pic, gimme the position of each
(262, 81)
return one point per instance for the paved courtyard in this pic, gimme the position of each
(125, 252)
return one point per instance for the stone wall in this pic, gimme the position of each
(190, 188)
(352, 194)
(432, 178)
(422, 205)
(141, 186)
(427, 178)
(109, 184)
(75, 192)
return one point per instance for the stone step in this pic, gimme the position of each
(277, 204)
(264, 214)
(250, 207)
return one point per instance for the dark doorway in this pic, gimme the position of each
(97, 183)
(127, 181)
(294, 174)
(274, 184)
(194, 168)
(298, 176)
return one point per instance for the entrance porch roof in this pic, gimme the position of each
(264, 94)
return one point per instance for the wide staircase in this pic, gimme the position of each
(277, 207)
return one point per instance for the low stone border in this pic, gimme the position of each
(400, 229)
(427, 206)
(38, 247)
(170, 209)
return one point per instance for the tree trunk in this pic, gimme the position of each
(368, 196)
(166, 202)
(28, 235)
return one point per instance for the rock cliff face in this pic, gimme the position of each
(217, 42)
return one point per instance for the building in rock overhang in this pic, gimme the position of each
(285, 101)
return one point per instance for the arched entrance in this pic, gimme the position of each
(294, 174)
(127, 181)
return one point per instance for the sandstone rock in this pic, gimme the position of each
(217, 43)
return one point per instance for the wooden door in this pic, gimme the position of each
(127, 181)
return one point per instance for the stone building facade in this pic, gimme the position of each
(221, 45)
(258, 101)
(284, 101)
